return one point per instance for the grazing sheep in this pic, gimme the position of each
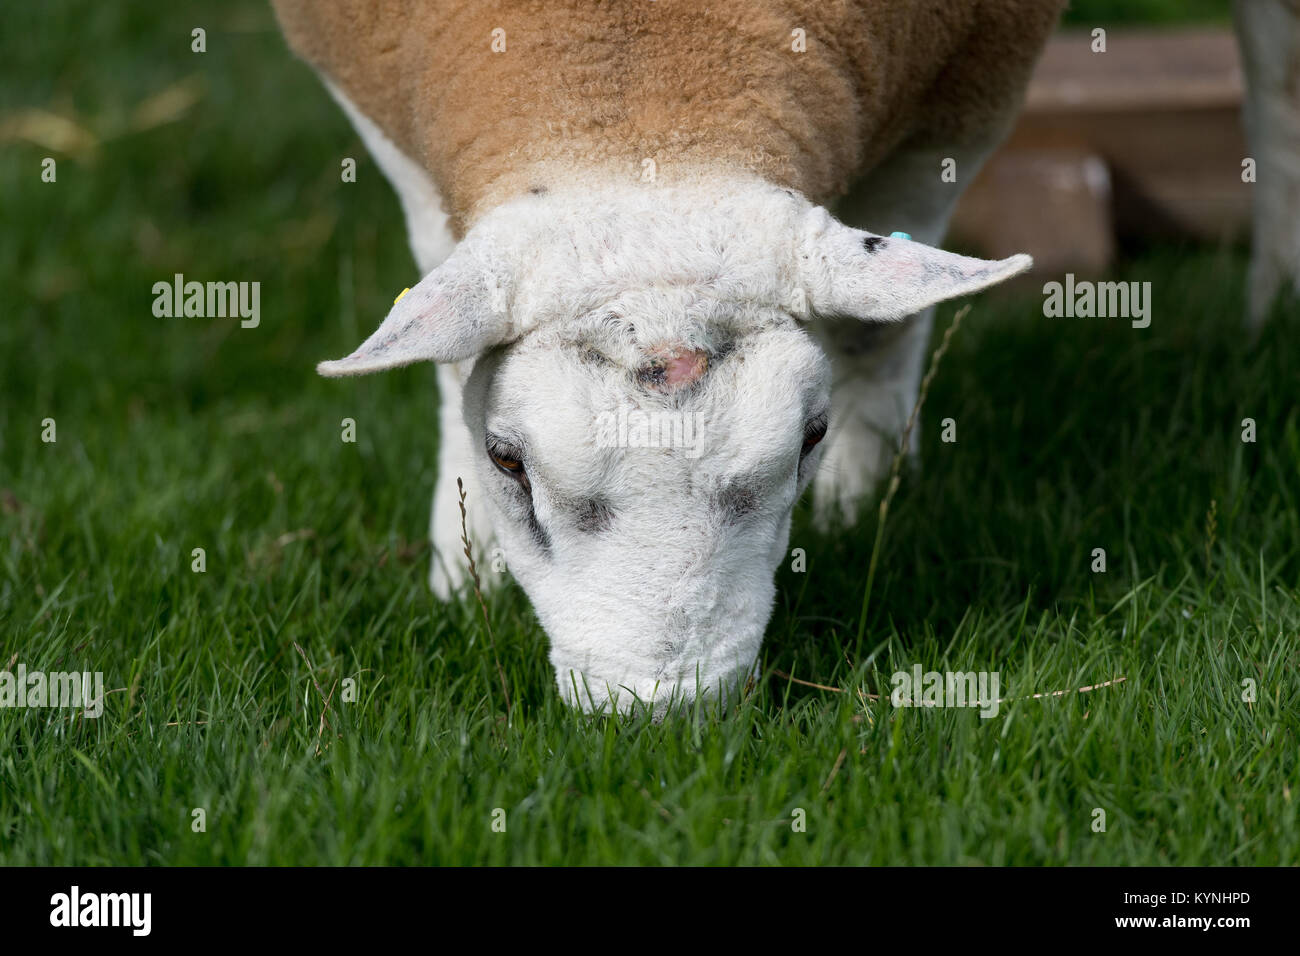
(622, 211)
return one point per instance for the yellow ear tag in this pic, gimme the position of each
(400, 294)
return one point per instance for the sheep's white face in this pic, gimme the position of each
(642, 463)
(648, 407)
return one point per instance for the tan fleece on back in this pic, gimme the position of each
(690, 84)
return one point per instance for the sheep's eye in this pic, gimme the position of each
(507, 459)
(813, 433)
(511, 466)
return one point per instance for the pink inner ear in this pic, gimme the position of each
(683, 366)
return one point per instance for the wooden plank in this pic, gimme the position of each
(1140, 70)
(1158, 112)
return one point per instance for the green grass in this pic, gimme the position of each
(1145, 13)
(182, 433)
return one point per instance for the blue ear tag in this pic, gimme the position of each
(899, 235)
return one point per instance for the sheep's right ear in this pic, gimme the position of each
(454, 313)
(854, 274)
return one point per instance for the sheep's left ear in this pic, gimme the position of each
(854, 274)
(454, 313)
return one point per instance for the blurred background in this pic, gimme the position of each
(1129, 135)
(1140, 145)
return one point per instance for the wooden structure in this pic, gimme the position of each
(1143, 140)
